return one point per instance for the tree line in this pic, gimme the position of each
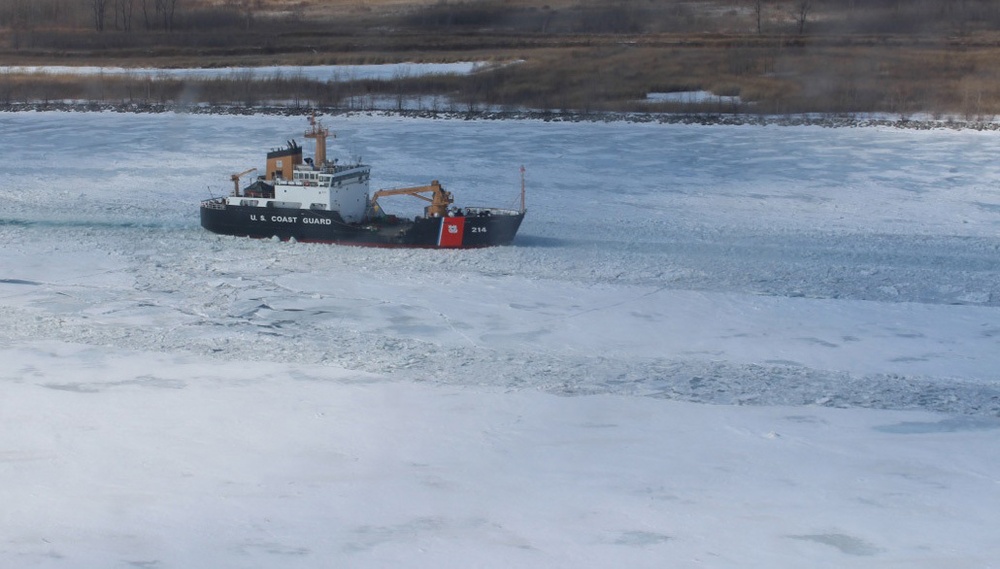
(154, 13)
(120, 15)
(763, 17)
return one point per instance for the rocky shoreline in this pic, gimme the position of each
(860, 120)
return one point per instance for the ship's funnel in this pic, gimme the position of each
(282, 162)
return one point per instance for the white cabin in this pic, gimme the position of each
(330, 188)
(304, 184)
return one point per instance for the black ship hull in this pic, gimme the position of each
(479, 227)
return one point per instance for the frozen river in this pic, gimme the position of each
(791, 269)
(857, 266)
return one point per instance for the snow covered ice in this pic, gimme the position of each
(311, 72)
(709, 347)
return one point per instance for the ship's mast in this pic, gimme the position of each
(317, 131)
(523, 209)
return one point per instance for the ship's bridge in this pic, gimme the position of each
(333, 187)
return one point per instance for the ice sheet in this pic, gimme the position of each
(647, 376)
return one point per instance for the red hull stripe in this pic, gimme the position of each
(452, 229)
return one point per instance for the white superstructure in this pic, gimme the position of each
(290, 182)
(332, 188)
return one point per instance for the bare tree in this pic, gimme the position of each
(758, 7)
(159, 12)
(99, 9)
(167, 10)
(123, 14)
(247, 9)
(802, 9)
(147, 22)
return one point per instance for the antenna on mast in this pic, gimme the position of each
(317, 131)
(523, 209)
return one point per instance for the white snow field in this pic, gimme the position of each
(709, 346)
(313, 72)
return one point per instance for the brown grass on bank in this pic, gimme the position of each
(770, 80)
(936, 56)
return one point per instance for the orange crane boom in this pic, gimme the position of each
(235, 178)
(439, 198)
